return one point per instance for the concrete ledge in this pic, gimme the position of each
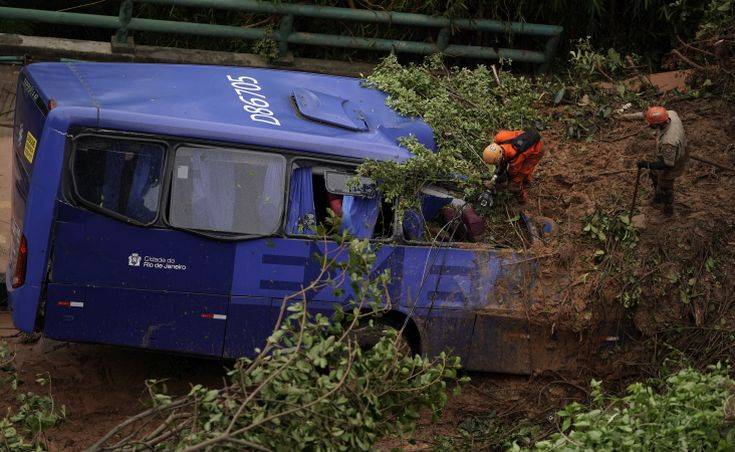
(44, 48)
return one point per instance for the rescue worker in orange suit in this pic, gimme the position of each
(671, 155)
(515, 153)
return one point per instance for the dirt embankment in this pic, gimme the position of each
(100, 386)
(682, 266)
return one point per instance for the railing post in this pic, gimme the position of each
(126, 13)
(442, 40)
(549, 52)
(285, 27)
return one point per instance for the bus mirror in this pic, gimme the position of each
(349, 184)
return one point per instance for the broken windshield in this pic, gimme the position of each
(227, 190)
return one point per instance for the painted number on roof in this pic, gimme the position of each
(254, 102)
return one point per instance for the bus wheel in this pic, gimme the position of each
(368, 336)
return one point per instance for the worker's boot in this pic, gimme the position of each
(657, 198)
(667, 199)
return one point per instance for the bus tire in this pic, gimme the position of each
(368, 336)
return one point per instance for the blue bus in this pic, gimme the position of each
(171, 208)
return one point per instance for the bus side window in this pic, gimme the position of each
(309, 198)
(119, 176)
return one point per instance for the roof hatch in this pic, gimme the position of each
(329, 109)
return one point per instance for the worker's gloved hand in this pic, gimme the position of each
(652, 165)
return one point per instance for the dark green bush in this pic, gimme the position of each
(690, 410)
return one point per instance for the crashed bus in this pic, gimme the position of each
(170, 208)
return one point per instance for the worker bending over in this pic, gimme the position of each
(515, 153)
(671, 155)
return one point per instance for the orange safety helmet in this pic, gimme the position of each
(492, 154)
(656, 115)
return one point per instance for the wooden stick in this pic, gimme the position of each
(610, 173)
(495, 73)
(695, 48)
(635, 192)
(687, 60)
(710, 162)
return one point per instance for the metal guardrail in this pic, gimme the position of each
(285, 34)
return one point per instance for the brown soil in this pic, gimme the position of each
(101, 386)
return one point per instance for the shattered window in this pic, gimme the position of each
(315, 190)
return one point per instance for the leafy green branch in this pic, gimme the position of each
(22, 429)
(690, 410)
(464, 107)
(316, 384)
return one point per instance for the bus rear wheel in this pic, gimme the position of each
(368, 336)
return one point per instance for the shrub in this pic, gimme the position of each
(691, 410)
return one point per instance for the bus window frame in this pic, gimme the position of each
(294, 164)
(96, 208)
(171, 143)
(174, 148)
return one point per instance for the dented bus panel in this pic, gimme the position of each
(169, 207)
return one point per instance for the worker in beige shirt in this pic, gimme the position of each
(671, 153)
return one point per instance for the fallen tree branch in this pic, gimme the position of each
(710, 162)
(610, 173)
(697, 49)
(687, 60)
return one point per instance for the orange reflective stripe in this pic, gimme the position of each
(505, 135)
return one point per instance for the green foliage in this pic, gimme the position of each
(22, 429)
(594, 87)
(714, 17)
(615, 240)
(604, 229)
(689, 411)
(267, 47)
(718, 18)
(313, 386)
(488, 432)
(588, 64)
(464, 107)
(401, 182)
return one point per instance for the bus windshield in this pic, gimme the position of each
(227, 190)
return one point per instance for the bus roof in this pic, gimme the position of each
(299, 111)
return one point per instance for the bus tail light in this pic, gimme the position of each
(19, 272)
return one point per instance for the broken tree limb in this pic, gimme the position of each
(610, 173)
(687, 60)
(697, 49)
(631, 116)
(710, 162)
